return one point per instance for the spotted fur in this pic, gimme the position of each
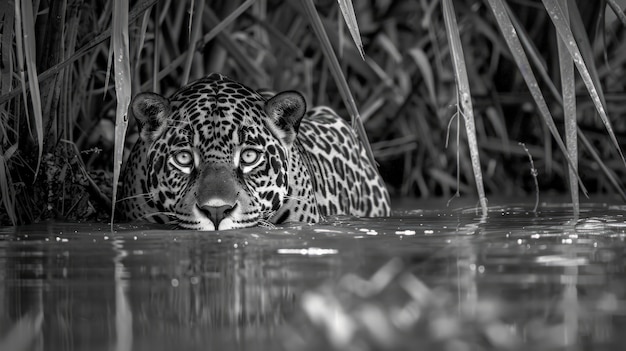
(218, 155)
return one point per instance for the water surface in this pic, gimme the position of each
(444, 279)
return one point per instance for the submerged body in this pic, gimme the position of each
(217, 155)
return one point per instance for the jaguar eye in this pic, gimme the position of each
(249, 157)
(183, 160)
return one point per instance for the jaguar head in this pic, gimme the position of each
(218, 154)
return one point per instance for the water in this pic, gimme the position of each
(445, 280)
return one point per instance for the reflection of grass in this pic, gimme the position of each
(405, 89)
(395, 310)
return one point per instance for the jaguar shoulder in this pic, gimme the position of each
(218, 155)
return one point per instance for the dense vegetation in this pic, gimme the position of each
(65, 78)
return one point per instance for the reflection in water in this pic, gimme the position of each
(22, 304)
(123, 313)
(434, 280)
(571, 312)
(558, 281)
(24, 333)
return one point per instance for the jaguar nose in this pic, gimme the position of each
(216, 213)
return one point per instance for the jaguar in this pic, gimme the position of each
(218, 155)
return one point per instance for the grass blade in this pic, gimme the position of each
(582, 38)
(340, 79)
(565, 33)
(568, 87)
(195, 22)
(347, 10)
(421, 60)
(142, 37)
(534, 54)
(466, 109)
(606, 170)
(19, 56)
(618, 11)
(7, 15)
(221, 25)
(157, 49)
(519, 55)
(121, 59)
(6, 187)
(28, 26)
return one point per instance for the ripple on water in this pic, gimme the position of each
(429, 278)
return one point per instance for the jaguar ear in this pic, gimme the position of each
(285, 111)
(151, 111)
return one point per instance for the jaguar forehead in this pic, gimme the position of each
(179, 133)
(216, 114)
(217, 93)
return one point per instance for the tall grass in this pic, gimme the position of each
(26, 56)
(122, 74)
(568, 89)
(401, 80)
(464, 100)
